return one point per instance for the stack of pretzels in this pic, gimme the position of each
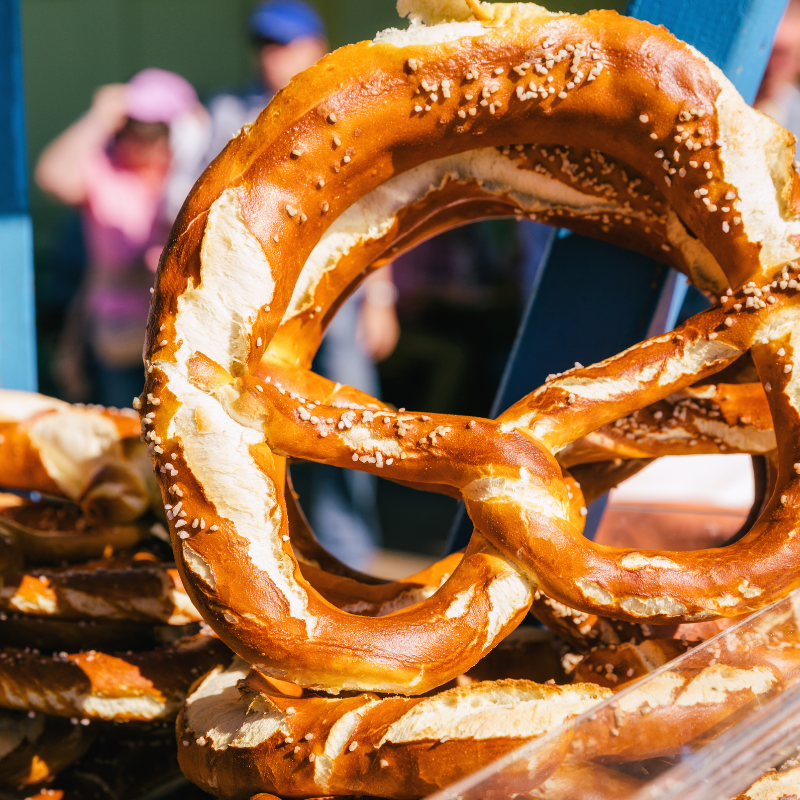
(95, 626)
(599, 123)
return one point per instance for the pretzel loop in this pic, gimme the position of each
(315, 191)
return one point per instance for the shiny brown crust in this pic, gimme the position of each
(137, 588)
(91, 685)
(679, 710)
(782, 784)
(717, 418)
(45, 747)
(223, 406)
(48, 532)
(296, 743)
(84, 453)
(394, 747)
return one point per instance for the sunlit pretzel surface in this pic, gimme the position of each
(255, 734)
(376, 146)
(89, 454)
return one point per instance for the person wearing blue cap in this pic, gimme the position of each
(290, 36)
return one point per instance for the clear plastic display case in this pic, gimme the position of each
(705, 726)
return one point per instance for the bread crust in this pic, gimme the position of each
(47, 532)
(86, 454)
(93, 685)
(41, 747)
(137, 587)
(775, 785)
(394, 747)
(241, 733)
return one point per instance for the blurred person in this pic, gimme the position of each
(115, 164)
(289, 36)
(779, 94)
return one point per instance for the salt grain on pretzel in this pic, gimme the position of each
(717, 418)
(674, 709)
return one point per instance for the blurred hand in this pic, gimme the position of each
(378, 329)
(109, 106)
(60, 168)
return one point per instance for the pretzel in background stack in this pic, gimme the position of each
(81, 578)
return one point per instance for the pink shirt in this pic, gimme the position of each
(121, 220)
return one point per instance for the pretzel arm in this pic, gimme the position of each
(722, 418)
(598, 477)
(113, 589)
(426, 441)
(583, 399)
(387, 746)
(464, 190)
(374, 752)
(744, 579)
(134, 687)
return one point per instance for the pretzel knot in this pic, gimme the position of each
(374, 148)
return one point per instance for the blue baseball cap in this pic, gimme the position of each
(283, 21)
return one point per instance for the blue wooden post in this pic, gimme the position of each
(737, 35)
(17, 328)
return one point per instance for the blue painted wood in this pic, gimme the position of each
(737, 35)
(13, 169)
(574, 314)
(17, 333)
(17, 325)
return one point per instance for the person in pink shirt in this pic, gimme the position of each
(116, 164)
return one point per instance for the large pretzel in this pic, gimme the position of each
(301, 202)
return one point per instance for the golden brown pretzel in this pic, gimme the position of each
(33, 748)
(389, 746)
(136, 588)
(93, 685)
(88, 454)
(228, 395)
